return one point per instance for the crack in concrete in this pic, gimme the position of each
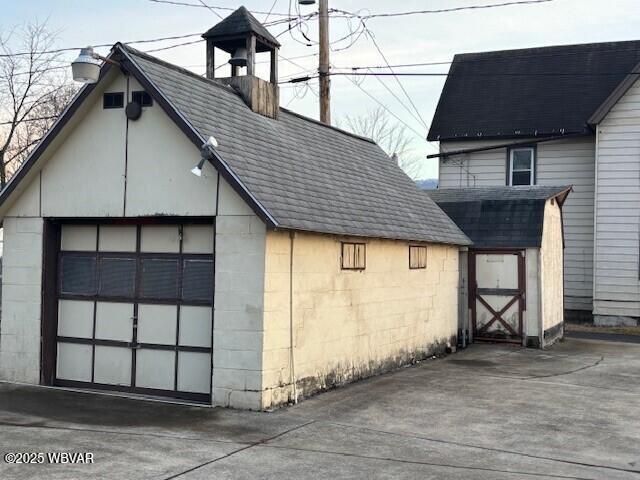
(419, 462)
(246, 447)
(569, 372)
(479, 447)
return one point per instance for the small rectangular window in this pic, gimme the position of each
(78, 275)
(142, 98)
(113, 100)
(354, 256)
(117, 277)
(197, 280)
(417, 256)
(521, 166)
(159, 278)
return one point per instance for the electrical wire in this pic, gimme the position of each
(375, 44)
(270, 10)
(212, 10)
(451, 9)
(204, 5)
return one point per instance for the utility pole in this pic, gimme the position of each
(323, 68)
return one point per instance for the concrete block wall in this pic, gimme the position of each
(21, 300)
(238, 309)
(350, 324)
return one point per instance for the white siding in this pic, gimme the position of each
(617, 288)
(566, 162)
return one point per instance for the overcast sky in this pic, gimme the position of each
(409, 39)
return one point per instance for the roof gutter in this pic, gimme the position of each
(216, 160)
(504, 145)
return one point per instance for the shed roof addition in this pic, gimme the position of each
(509, 217)
(544, 91)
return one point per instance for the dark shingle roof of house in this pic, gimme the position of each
(238, 23)
(535, 91)
(499, 216)
(306, 175)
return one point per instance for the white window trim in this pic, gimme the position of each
(532, 165)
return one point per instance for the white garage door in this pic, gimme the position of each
(135, 308)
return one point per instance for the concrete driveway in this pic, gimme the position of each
(489, 412)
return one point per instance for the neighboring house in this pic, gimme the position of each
(558, 115)
(302, 258)
(511, 278)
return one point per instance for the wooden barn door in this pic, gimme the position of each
(497, 294)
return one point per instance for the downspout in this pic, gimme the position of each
(292, 371)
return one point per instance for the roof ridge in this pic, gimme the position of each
(549, 48)
(231, 89)
(332, 127)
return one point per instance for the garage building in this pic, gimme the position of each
(301, 258)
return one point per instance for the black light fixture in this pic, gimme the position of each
(306, 2)
(206, 151)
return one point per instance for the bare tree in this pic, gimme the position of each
(33, 92)
(391, 136)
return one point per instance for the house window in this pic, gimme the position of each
(522, 163)
(417, 257)
(142, 98)
(113, 100)
(354, 256)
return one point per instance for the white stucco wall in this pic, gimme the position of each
(96, 169)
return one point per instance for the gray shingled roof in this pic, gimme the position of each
(307, 176)
(238, 23)
(499, 217)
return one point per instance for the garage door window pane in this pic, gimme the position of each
(78, 275)
(159, 278)
(117, 277)
(197, 280)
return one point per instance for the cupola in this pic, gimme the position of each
(242, 36)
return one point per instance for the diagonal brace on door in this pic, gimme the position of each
(498, 315)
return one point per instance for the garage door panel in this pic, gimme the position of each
(75, 318)
(157, 324)
(160, 239)
(135, 308)
(198, 239)
(195, 326)
(194, 372)
(74, 361)
(112, 365)
(78, 237)
(155, 368)
(114, 321)
(117, 238)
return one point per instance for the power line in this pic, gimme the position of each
(444, 74)
(448, 10)
(270, 10)
(205, 5)
(375, 44)
(67, 49)
(212, 10)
